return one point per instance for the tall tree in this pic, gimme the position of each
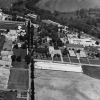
(28, 33)
(32, 34)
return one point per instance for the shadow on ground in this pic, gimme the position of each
(91, 71)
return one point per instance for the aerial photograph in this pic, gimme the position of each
(50, 49)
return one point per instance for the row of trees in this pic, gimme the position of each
(83, 23)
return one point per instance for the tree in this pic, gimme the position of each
(79, 35)
(13, 57)
(78, 51)
(18, 58)
(65, 52)
(27, 59)
(28, 33)
(7, 30)
(14, 16)
(59, 43)
(97, 43)
(97, 55)
(16, 46)
(32, 34)
(83, 13)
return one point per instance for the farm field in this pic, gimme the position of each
(18, 79)
(58, 85)
(10, 25)
(73, 60)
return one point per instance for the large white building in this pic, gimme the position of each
(73, 39)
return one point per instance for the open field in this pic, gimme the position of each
(18, 79)
(10, 25)
(57, 85)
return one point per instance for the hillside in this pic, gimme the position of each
(67, 5)
(58, 5)
(6, 3)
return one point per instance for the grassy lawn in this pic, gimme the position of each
(73, 60)
(18, 79)
(21, 64)
(39, 56)
(74, 57)
(66, 59)
(20, 52)
(10, 26)
(96, 62)
(65, 55)
(84, 61)
(56, 58)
